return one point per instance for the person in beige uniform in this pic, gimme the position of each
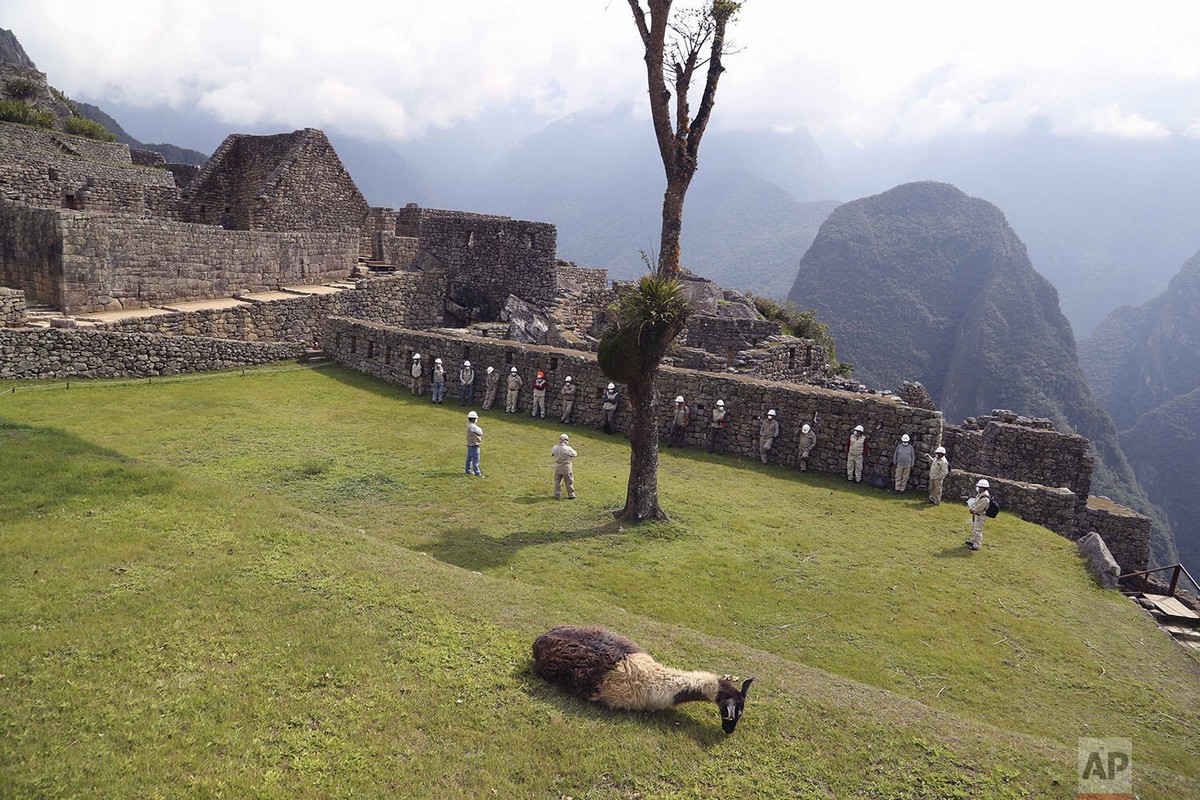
(568, 398)
(679, 421)
(808, 440)
(856, 453)
(491, 382)
(417, 371)
(514, 390)
(563, 454)
(979, 506)
(939, 468)
(767, 431)
(718, 428)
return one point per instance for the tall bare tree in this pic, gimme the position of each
(649, 317)
(677, 45)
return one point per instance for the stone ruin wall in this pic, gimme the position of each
(12, 307)
(571, 277)
(86, 263)
(385, 351)
(409, 299)
(1126, 533)
(48, 353)
(485, 258)
(31, 258)
(51, 170)
(728, 335)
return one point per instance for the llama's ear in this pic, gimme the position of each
(746, 686)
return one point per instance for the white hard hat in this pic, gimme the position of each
(771, 413)
(490, 370)
(416, 356)
(472, 415)
(564, 438)
(720, 403)
(904, 438)
(612, 386)
(858, 428)
(982, 483)
(678, 398)
(437, 361)
(513, 370)
(805, 428)
(941, 451)
(466, 363)
(567, 379)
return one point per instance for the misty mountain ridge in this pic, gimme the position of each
(923, 282)
(1144, 364)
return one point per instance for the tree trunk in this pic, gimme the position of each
(641, 497)
(672, 224)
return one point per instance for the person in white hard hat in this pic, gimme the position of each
(417, 371)
(979, 506)
(474, 441)
(466, 385)
(609, 402)
(939, 468)
(680, 416)
(491, 382)
(563, 454)
(439, 381)
(718, 428)
(808, 440)
(539, 386)
(856, 453)
(903, 460)
(767, 431)
(514, 390)
(568, 398)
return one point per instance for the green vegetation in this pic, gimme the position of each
(19, 112)
(282, 585)
(82, 126)
(803, 324)
(20, 89)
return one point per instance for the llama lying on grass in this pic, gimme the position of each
(607, 668)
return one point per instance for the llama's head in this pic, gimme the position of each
(731, 701)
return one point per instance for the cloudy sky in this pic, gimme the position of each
(858, 72)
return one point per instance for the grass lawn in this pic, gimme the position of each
(283, 585)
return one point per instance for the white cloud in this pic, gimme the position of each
(1110, 120)
(865, 71)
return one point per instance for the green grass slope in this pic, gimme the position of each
(281, 585)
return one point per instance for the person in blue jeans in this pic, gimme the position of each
(439, 380)
(474, 441)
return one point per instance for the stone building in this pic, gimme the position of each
(285, 182)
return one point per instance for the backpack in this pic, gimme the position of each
(993, 508)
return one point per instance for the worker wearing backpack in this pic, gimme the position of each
(979, 511)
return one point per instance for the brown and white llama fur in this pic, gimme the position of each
(609, 669)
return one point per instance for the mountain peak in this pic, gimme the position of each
(11, 51)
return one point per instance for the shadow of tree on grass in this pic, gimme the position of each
(471, 548)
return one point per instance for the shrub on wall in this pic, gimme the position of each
(20, 89)
(17, 111)
(82, 126)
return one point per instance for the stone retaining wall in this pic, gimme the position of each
(1126, 533)
(574, 278)
(12, 307)
(56, 170)
(1041, 505)
(728, 334)
(385, 352)
(27, 353)
(405, 298)
(115, 262)
(31, 258)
